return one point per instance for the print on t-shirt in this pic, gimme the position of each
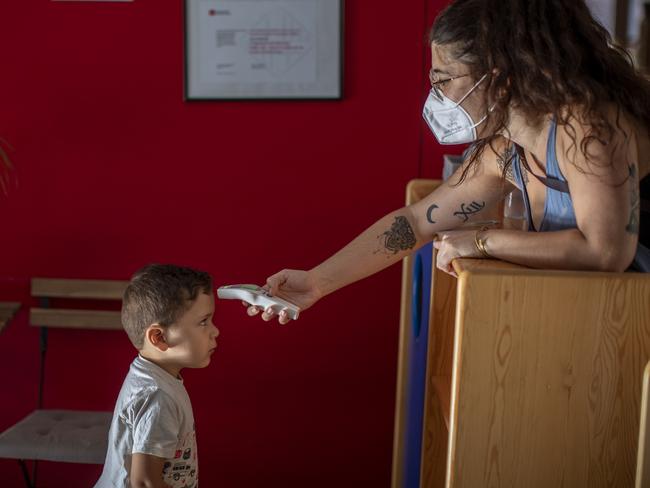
(181, 472)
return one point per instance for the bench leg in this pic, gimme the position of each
(23, 468)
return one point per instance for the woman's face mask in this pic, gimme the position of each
(449, 122)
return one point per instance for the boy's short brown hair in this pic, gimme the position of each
(160, 294)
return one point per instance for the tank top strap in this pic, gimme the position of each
(552, 165)
(519, 181)
(553, 178)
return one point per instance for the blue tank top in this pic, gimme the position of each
(558, 207)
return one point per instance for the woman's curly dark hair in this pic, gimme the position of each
(543, 57)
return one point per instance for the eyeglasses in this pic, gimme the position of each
(435, 84)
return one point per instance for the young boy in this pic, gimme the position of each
(167, 313)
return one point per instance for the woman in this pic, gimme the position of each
(552, 108)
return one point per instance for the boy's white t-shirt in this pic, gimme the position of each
(153, 415)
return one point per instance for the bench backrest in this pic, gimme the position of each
(78, 318)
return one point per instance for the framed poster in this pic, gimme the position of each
(263, 49)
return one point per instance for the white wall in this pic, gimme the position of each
(634, 20)
(605, 12)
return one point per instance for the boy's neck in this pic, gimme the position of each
(171, 368)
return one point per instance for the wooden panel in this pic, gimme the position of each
(442, 390)
(546, 387)
(439, 369)
(643, 453)
(75, 319)
(415, 191)
(91, 289)
(489, 265)
(7, 312)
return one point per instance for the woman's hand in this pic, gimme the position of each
(455, 244)
(295, 286)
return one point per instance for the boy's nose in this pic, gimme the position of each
(215, 332)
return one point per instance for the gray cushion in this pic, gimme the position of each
(58, 435)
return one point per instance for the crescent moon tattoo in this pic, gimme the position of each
(429, 210)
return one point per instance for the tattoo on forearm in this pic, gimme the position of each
(633, 223)
(400, 237)
(466, 211)
(429, 210)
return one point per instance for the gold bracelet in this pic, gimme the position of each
(480, 244)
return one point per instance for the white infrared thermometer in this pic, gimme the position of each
(259, 297)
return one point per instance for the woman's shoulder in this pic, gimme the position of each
(643, 143)
(599, 142)
(609, 122)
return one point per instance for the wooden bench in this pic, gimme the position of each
(533, 378)
(63, 435)
(7, 312)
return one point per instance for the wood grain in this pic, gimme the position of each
(643, 453)
(533, 377)
(439, 370)
(546, 387)
(86, 289)
(7, 312)
(415, 191)
(75, 319)
(442, 390)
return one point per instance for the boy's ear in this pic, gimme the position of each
(155, 335)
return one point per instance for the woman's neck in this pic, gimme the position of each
(531, 137)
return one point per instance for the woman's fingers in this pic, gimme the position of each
(283, 317)
(268, 314)
(273, 283)
(440, 255)
(444, 263)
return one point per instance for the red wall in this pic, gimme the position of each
(115, 171)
